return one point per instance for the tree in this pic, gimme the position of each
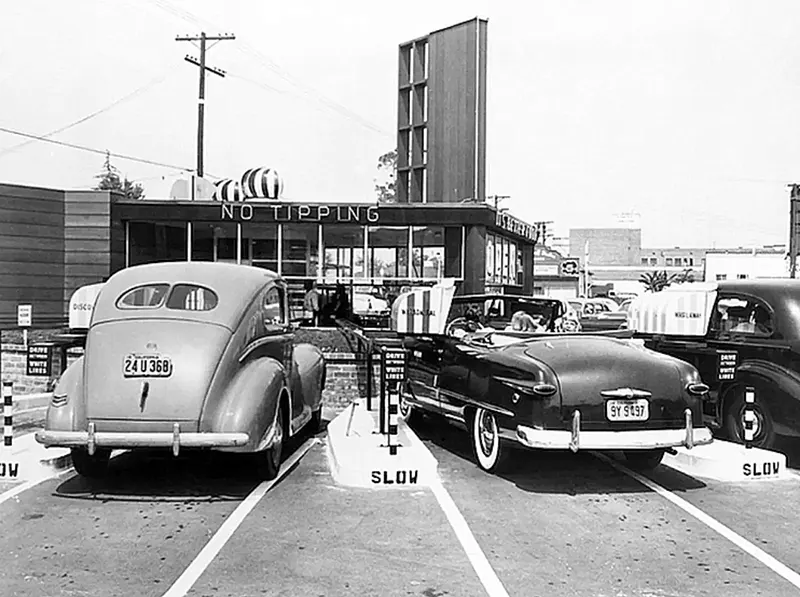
(387, 175)
(110, 181)
(656, 281)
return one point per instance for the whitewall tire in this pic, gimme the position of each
(490, 453)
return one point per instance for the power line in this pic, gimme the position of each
(93, 150)
(246, 48)
(110, 106)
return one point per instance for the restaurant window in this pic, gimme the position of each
(300, 250)
(427, 244)
(388, 251)
(669, 261)
(149, 242)
(262, 241)
(217, 242)
(344, 251)
(644, 260)
(512, 262)
(490, 269)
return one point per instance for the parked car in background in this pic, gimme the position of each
(187, 355)
(543, 390)
(737, 333)
(596, 314)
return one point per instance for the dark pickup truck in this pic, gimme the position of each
(737, 334)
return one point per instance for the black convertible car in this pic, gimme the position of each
(544, 389)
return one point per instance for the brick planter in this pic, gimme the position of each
(346, 375)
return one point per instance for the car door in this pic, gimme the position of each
(458, 359)
(424, 361)
(749, 326)
(275, 337)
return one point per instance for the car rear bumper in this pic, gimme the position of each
(176, 440)
(577, 439)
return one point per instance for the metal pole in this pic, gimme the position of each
(749, 416)
(382, 404)
(8, 417)
(201, 104)
(393, 410)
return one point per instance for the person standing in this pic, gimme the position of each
(311, 304)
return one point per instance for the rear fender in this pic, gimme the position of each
(249, 404)
(786, 380)
(72, 415)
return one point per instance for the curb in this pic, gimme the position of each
(28, 401)
(729, 462)
(361, 458)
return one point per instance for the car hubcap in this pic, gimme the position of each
(487, 432)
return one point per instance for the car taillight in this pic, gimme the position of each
(544, 389)
(697, 389)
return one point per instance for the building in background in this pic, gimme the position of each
(739, 264)
(51, 243)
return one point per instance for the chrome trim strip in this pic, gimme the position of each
(490, 407)
(628, 393)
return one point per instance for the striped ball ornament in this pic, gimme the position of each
(262, 183)
(228, 190)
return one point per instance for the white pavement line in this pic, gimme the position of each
(484, 570)
(742, 543)
(11, 493)
(186, 580)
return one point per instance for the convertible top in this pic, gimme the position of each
(682, 310)
(424, 310)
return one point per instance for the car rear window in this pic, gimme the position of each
(183, 297)
(188, 297)
(149, 296)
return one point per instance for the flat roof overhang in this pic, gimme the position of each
(267, 212)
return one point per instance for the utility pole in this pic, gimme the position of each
(201, 101)
(794, 228)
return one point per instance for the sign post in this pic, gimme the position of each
(24, 320)
(393, 375)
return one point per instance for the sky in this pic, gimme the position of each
(685, 112)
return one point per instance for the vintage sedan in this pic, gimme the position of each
(544, 390)
(187, 355)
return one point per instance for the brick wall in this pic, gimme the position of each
(14, 358)
(346, 375)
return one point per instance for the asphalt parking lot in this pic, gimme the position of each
(556, 524)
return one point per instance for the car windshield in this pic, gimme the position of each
(183, 297)
(498, 312)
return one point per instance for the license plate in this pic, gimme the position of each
(628, 410)
(137, 365)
